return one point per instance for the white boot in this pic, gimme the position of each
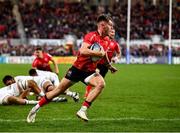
(74, 95)
(32, 114)
(59, 99)
(82, 113)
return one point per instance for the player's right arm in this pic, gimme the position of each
(26, 85)
(34, 64)
(24, 93)
(87, 42)
(84, 50)
(33, 86)
(55, 66)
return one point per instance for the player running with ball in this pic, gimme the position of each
(82, 70)
(104, 65)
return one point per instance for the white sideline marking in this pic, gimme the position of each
(98, 119)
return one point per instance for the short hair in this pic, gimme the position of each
(6, 78)
(109, 17)
(103, 17)
(38, 48)
(32, 72)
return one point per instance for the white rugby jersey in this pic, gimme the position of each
(49, 75)
(11, 90)
(22, 81)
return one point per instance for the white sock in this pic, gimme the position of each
(31, 102)
(41, 94)
(83, 108)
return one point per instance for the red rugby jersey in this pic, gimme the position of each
(84, 62)
(42, 63)
(112, 48)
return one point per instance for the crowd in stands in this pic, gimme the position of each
(28, 50)
(56, 50)
(145, 50)
(157, 50)
(55, 19)
(8, 25)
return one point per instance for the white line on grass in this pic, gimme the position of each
(97, 119)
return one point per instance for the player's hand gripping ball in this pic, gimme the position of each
(95, 47)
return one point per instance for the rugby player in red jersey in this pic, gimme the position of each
(103, 64)
(41, 62)
(82, 70)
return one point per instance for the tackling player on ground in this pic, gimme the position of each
(55, 80)
(44, 84)
(16, 93)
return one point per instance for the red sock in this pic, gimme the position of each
(88, 89)
(87, 104)
(43, 101)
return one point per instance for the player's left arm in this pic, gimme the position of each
(84, 50)
(112, 68)
(34, 64)
(109, 65)
(32, 85)
(118, 53)
(24, 94)
(55, 66)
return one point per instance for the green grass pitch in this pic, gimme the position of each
(136, 98)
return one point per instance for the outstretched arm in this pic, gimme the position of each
(34, 87)
(55, 66)
(24, 94)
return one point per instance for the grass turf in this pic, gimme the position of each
(136, 98)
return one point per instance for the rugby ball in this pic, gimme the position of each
(95, 47)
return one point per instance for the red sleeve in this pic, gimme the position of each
(89, 38)
(117, 48)
(48, 56)
(34, 64)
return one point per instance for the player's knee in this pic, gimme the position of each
(101, 84)
(63, 87)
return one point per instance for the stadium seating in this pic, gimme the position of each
(55, 20)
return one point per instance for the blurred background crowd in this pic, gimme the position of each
(56, 50)
(47, 19)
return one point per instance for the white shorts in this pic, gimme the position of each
(7, 91)
(4, 97)
(56, 82)
(41, 83)
(22, 81)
